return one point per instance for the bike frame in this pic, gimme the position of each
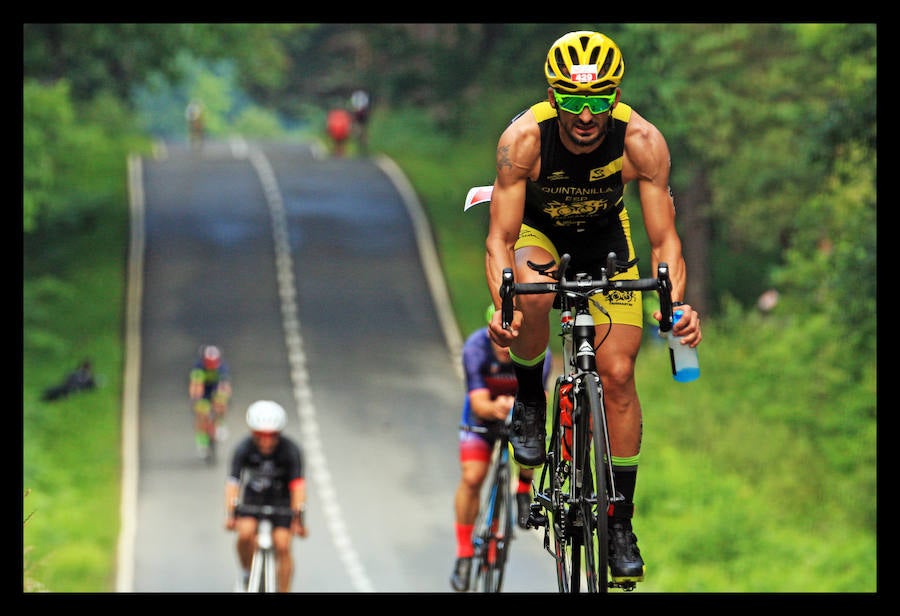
(577, 484)
(493, 529)
(263, 567)
(208, 417)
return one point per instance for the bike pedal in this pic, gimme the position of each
(536, 521)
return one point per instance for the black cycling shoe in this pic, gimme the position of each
(625, 562)
(460, 578)
(523, 500)
(528, 433)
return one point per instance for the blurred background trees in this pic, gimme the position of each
(773, 135)
(772, 127)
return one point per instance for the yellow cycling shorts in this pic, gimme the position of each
(625, 307)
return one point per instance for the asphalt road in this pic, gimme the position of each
(309, 273)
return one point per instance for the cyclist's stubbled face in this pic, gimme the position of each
(584, 129)
(265, 441)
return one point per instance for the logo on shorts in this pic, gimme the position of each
(618, 297)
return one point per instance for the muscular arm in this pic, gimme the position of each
(484, 407)
(298, 494)
(518, 151)
(648, 162)
(232, 489)
(298, 503)
(195, 387)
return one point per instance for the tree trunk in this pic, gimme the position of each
(694, 229)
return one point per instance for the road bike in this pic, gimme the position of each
(577, 487)
(206, 417)
(493, 531)
(263, 567)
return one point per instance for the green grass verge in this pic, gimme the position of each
(74, 302)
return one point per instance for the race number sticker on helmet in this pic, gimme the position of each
(584, 73)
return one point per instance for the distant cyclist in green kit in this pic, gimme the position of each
(562, 166)
(209, 388)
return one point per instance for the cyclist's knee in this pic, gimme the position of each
(246, 530)
(535, 304)
(618, 377)
(282, 543)
(473, 475)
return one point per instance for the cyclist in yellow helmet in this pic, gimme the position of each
(562, 167)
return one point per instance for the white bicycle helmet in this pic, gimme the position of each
(266, 416)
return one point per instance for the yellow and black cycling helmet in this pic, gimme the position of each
(584, 62)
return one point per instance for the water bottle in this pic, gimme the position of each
(685, 363)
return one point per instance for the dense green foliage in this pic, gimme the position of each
(772, 129)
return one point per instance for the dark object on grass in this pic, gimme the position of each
(80, 380)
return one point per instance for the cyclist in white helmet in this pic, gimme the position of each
(266, 469)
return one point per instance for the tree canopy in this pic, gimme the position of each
(772, 127)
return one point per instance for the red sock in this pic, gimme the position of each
(523, 486)
(464, 547)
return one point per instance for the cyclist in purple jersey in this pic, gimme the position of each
(491, 391)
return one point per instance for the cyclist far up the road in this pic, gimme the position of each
(196, 124)
(266, 469)
(209, 388)
(562, 166)
(490, 393)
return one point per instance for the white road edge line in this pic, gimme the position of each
(312, 444)
(130, 441)
(430, 261)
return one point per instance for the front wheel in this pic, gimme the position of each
(495, 534)
(590, 397)
(212, 437)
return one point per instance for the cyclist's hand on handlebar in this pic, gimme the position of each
(298, 528)
(688, 326)
(502, 405)
(500, 336)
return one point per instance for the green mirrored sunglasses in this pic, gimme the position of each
(574, 103)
